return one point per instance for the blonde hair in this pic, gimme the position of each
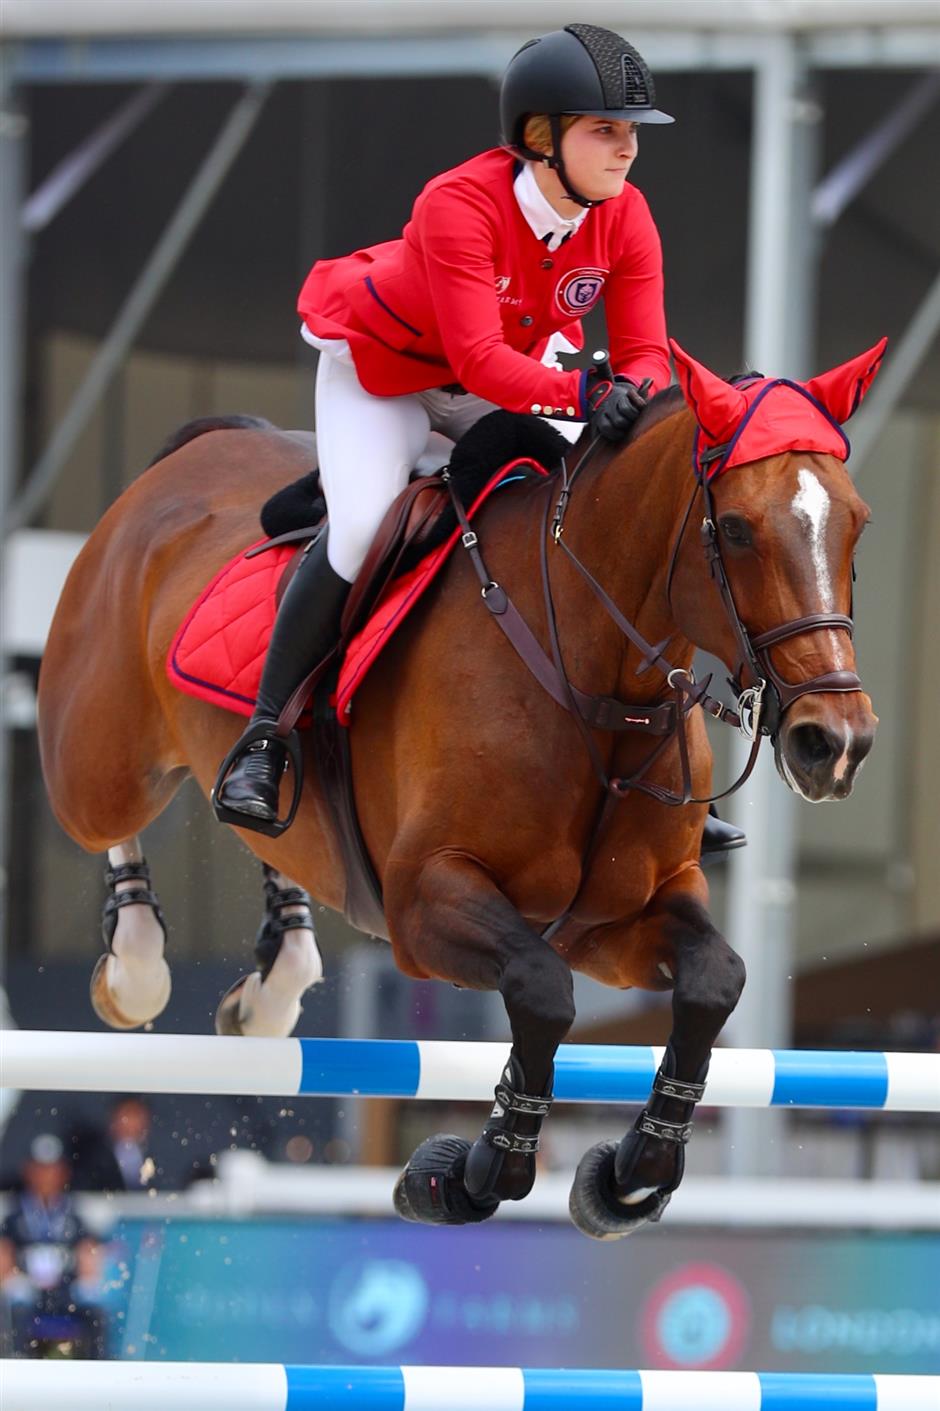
(537, 133)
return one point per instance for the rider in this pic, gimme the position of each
(465, 313)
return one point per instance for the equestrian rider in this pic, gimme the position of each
(466, 312)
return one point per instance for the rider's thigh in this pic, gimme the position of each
(367, 447)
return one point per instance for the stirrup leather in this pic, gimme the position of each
(262, 730)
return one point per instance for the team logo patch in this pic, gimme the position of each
(502, 283)
(579, 290)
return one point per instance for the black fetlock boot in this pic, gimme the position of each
(719, 838)
(305, 631)
(504, 1155)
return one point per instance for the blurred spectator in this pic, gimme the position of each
(50, 1265)
(118, 1159)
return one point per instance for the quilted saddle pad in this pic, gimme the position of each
(219, 649)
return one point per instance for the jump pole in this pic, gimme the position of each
(60, 1061)
(193, 1386)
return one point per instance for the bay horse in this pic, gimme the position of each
(479, 794)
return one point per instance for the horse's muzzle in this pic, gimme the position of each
(821, 747)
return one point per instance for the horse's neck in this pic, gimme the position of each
(625, 520)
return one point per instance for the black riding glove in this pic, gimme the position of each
(613, 407)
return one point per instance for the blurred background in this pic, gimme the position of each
(166, 180)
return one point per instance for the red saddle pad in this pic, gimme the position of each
(219, 649)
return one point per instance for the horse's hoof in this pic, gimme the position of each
(102, 1001)
(227, 1018)
(593, 1204)
(430, 1190)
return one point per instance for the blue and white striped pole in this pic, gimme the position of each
(192, 1386)
(59, 1061)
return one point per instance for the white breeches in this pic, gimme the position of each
(368, 446)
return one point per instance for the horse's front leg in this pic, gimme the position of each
(450, 921)
(619, 1188)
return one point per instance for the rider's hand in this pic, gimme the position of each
(613, 407)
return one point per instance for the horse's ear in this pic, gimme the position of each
(717, 406)
(842, 388)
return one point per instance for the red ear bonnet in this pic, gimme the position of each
(753, 419)
(841, 390)
(718, 406)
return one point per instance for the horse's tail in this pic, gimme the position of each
(201, 425)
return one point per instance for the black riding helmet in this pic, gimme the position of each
(582, 70)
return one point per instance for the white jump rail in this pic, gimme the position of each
(61, 1061)
(193, 1386)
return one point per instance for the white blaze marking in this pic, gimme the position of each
(811, 507)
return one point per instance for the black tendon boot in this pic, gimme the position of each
(719, 838)
(305, 631)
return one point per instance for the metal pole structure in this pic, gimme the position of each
(139, 302)
(13, 139)
(71, 174)
(778, 333)
(903, 360)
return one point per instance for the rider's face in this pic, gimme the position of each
(598, 155)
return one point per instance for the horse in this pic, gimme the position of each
(515, 841)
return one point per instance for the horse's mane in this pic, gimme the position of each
(664, 404)
(201, 424)
(669, 401)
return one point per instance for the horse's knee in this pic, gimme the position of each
(538, 989)
(710, 975)
(732, 974)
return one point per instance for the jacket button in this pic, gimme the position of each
(527, 320)
(548, 264)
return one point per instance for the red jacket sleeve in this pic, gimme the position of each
(633, 300)
(458, 239)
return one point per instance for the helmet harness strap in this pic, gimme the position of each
(557, 162)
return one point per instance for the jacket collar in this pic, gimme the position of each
(541, 217)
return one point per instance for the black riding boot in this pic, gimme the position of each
(719, 838)
(305, 630)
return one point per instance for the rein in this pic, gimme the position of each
(760, 705)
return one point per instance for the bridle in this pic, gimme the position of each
(767, 696)
(763, 696)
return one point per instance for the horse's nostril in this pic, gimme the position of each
(814, 746)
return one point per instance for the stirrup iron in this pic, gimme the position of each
(259, 731)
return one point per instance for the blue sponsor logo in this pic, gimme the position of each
(377, 1306)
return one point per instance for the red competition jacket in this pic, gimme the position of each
(469, 294)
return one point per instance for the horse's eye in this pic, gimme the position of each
(735, 529)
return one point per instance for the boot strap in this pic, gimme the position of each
(519, 1104)
(510, 1141)
(678, 1132)
(127, 872)
(673, 1087)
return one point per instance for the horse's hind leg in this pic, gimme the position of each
(130, 984)
(266, 1003)
(456, 925)
(619, 1188)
